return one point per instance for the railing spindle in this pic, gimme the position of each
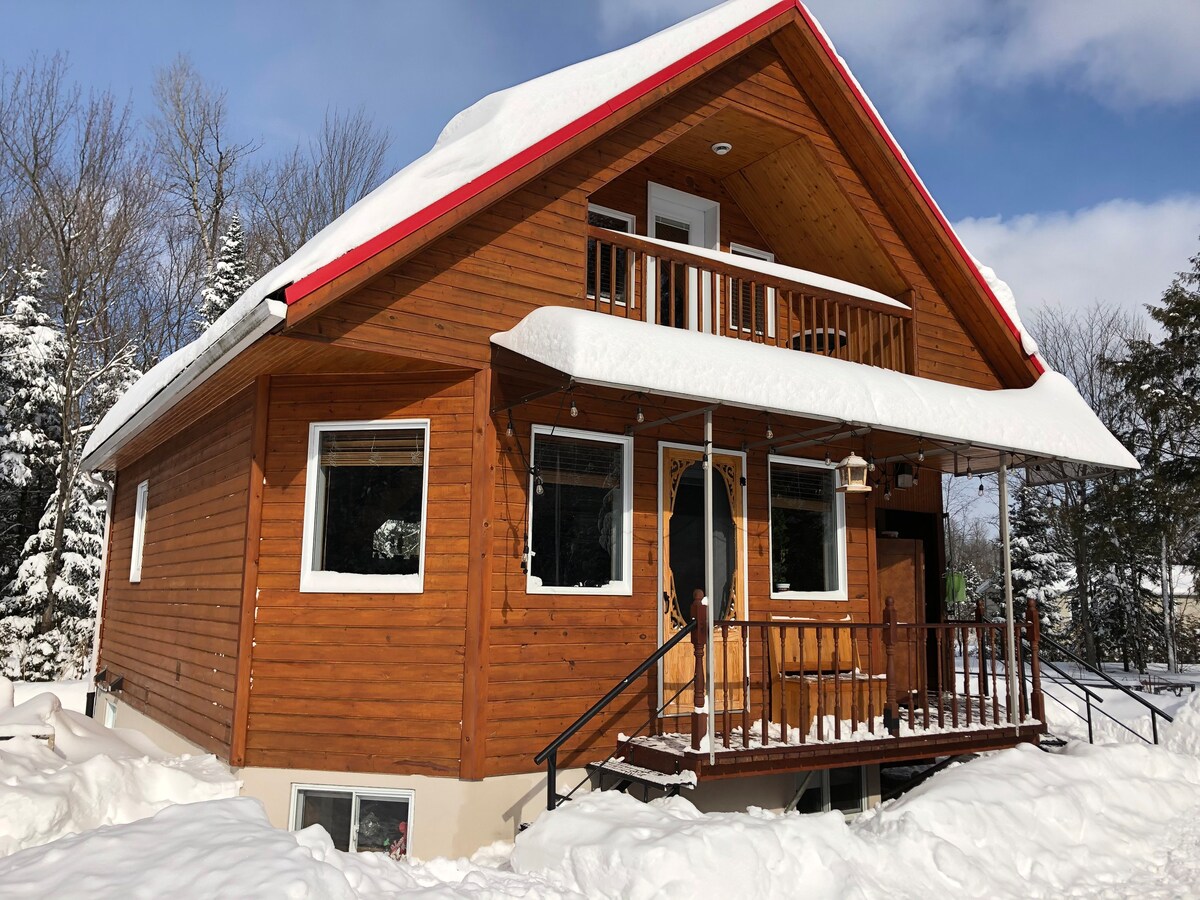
(766, 689)
(745, 685)
(891, 716)
(804, 724)
(995, 688)
(1035, 664)
(941, 664)
(820, 688)
(783, 716)
(871, 681)
(837, 684)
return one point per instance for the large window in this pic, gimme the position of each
(364, 507)
(139, 531)
(377, 821)
(580, 512)
(808, 549)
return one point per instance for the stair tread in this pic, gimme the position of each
(631, 772)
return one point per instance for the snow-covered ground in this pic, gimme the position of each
(105, 815)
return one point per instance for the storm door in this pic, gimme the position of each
(682, 560)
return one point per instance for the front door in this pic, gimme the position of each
(682, 559)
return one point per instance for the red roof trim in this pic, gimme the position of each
(876, 121)
(404, 228)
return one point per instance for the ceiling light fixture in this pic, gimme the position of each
(721, 147)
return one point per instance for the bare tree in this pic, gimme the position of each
(294, 198)
(200, 163)
(82, 186)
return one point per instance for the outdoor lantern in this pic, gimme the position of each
(904, 476)
(852, 475)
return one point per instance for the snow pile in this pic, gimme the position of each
(1019, 823)
(93, 776)
(1008, 303)
(1048, 419)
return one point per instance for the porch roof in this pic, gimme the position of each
(1048, 421)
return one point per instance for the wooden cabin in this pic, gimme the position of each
(653, 365)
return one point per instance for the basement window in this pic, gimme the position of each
(358, 819)
(139, 531)
(364, 507)
(842, 789)
(581, 501)
(808, 533)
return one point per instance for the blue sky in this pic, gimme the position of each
(1061, 137)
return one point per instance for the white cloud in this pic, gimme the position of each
(919, 54)
(1120, 252)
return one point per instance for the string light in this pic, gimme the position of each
(981, 486)
(641, 416)
(920, 451)
(574, 410)
(870, 463)
(916, 478)
(509, 430)
(770, 433)
(970, 474)
(828, 461)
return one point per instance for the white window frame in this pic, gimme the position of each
(624, 587)
(139, 532)
(631, 221)
(824, 787)
(110, 713)
(736, 249)
(839, 504)
(314, 580)
(356, 792)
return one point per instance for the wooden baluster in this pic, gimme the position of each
(801, 325)
(699, 648)
(1035, 664)
(995, 687)
(923, 650)
(612, 279)
(725, 682)
(820, 688)
(891, 718)
(982, 675)
(954, 692)
(941, 674)
(596, 257)
(1024, 708)
(913, 683)
(785, 339)
(837, 684)
(855, 684)
(813, 312)
(805, 720)
(837, 330)
(966, 653)
(643, 272)
(783, 714)
(745, 685)
(871, 633)
(754, 311)
(766, 691)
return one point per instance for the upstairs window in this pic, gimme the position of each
(364, 508)
(608, 266)
(139, 531)
(808, 544)
(581, 498)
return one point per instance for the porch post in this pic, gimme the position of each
(708, 582)
(1010, 659)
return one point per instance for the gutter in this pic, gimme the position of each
(262, 318)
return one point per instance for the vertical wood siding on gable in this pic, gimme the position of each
(362, 682)
(173, 635)
(528, 249)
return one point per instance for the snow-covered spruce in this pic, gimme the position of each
(228, 278)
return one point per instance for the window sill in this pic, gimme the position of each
(617, 589)
(354, 583)
(832, 596)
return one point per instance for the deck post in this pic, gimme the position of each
(709, 582)
(700, 678)
(1037, 703)
(1010, 656)
(891, 710)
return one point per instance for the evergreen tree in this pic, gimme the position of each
(1163, 377)
(63, 650)
(1039, 570)
(228, 278)
(31, 356)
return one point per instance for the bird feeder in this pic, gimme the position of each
(852, 475)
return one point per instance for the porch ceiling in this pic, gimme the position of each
(1048, 421)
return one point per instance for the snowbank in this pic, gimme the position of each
(93, 776)
(1020, 823)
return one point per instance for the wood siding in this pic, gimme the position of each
(528, 249)
(174, 635)
(362, 682)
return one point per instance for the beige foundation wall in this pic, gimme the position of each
(455, 818)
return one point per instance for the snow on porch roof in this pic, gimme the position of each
(1048, 420)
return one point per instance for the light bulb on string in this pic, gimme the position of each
(509, 430)
(574, 410)
(641, 416)
(980, 487)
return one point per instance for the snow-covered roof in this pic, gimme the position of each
(778, 271)
(499, 134)
(1048, 420)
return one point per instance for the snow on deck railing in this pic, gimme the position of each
(748, 299)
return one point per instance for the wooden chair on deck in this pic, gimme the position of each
(823, 676)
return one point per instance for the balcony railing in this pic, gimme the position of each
(639, 279)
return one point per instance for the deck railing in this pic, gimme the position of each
(634, 278)
(800, 681)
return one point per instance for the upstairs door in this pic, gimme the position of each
(681, 558)
(682, 218)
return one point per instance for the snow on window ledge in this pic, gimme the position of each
(325, 582)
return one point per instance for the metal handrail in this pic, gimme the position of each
(549, 753)
(1120, 687)
(1154, 710)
